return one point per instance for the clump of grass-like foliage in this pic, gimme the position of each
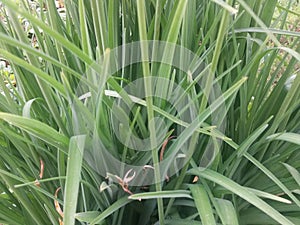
(59, 55)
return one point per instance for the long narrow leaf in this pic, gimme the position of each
(293, 172)
(203, 204)
(37, 129)
(289, 137)
(74, 164)
(114, 207)
(240, 191)
(161, 194)
(226, 212)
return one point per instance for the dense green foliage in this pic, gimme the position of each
(48, 127)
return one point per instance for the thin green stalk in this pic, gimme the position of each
(96, 21)
(113, 23)
(157, 19)
(158, 9)
(85, 39)
(102, 24)
(219, 43)
(149, 101)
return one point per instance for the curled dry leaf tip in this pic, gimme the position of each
(57, 206)
(36, 182)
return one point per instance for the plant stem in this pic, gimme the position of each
(219, 43)
(149, 101)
